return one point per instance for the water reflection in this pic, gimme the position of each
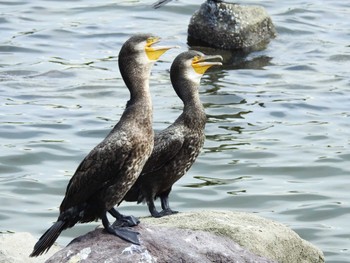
(236, 59)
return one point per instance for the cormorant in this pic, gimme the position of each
(112, 167)
(177, 147)
(160, 3)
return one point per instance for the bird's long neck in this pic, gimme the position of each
(136, 78)
(193, 111)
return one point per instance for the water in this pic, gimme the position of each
(278, 129)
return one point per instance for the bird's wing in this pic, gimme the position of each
(98, 169)
(167, 144)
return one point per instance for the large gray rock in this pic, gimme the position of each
(206, 236)
(16, 247)
(158, 244)
(230, 26)
(259, 235)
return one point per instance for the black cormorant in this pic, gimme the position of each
(112, 167)
(177, 147)
(160, 3)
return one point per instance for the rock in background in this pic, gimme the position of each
(16, 247)
(230, 26)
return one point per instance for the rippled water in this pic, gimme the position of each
(278, 130)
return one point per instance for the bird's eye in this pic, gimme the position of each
(151, 40)
(196, 59)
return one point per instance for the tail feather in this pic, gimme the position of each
(48, 238)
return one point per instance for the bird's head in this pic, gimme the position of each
(187, 70)
(141, 49)
(193, 64)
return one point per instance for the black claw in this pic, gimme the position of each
(165, 212)
(132, 220)
(122, 220)
(156, 214)
(126, 221)
(172, 212)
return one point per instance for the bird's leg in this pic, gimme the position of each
(165, 206)
(164, 200)
(121, 232)
(122, 220)
(152, 209)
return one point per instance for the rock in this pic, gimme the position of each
(207, 236)
(261, 236)
(16, 247)
(158, 244)
(230, 26)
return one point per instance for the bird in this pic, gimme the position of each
(177, 147)
(161, 3)
(111, 168)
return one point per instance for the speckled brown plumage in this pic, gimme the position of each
(111, 168)
(177, 147)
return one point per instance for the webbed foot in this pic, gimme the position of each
(121, 232)
(126, 221)
(165, 212)
(125, 234)
(168, 211)
(122, 220)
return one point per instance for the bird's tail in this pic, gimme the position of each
(48, 238)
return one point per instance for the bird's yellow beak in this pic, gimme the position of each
(200, 63)
(154, 53)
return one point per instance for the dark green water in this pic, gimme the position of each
(278, 130)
